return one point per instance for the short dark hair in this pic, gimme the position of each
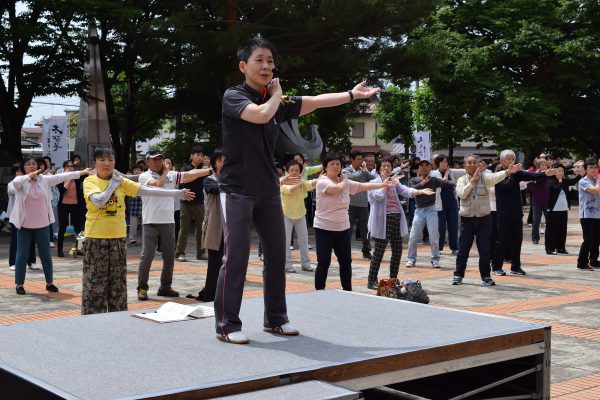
(104, 151)
(590, 161)
(439, 158)
(47, 158)
(257, 42)
(298, 154)
(75, 156)
(26, 159)
(332, 156)
(67, 162)
(292, 163)
(216, 154)
(355, 153)
(197, 149)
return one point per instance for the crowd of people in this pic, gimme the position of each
(236, 190)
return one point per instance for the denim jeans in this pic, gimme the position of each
(42, 238)
(448, 216)
(478, 229)
(12, 253)
(424, 217)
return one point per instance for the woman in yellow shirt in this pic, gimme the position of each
(294, 212)
(104, 286)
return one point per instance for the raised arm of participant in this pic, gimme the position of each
(100, 198)
(594, 189)
(336, 188)
(194, 174)
(261, 114)
(360, 91)
(182, 194)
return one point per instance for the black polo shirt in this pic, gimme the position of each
(248, 148)
(196, 186)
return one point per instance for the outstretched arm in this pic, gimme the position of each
(360, 91)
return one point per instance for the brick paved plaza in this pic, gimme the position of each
(554, 292)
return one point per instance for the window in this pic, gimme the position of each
(359, 130)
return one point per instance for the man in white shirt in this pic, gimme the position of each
(158, 222)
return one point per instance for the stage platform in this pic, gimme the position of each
(351, 340)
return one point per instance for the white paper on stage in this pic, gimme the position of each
(423, 144)
(174, 312)
(55, 139)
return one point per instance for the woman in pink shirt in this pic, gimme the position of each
(70, 204)
(32, 214)
(331, 224)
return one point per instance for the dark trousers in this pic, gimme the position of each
(588, 254)
(537, 219)
(240, 212)
(42, 238)
(510, 235)
(556, 230)
(478, 229)
(339, 242)
(12, 252)
(360, 215)
(215, 260)
(64, 211)
(493, 233)
(448, 216)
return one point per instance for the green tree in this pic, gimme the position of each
(41, 53)
(394, 114)
(517, 70)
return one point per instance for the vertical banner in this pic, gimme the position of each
(422, 145)
(55, 139)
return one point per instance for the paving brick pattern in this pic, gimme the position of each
(554, 293)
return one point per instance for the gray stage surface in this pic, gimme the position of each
(344, 336)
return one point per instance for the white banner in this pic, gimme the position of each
(422, 145)
(55, 139)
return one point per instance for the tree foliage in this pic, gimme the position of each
(521, 73)
(40, 54)
(394, 114)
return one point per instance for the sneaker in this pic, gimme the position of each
(498, 272)
(51, 244)
(181, 258)
(260, 257)
(487, 281)
(234, 337)
(410, 264)
(550, 253)
(457, 280)
(60, 254)
(291, 247)
(454, 252)
(542, 231)
(372, 285)
(562, 251)
(12, 267)
(310, 247)
(518, 271)
(536, 242)
(308, 269)
(435, 263)
(133, 243)
(52, 288)
(587, 267)
(167, 292)
(291, 270)
(33, 266)
(367, 255)
(142, 294)
(285, 329)
(20, 290)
